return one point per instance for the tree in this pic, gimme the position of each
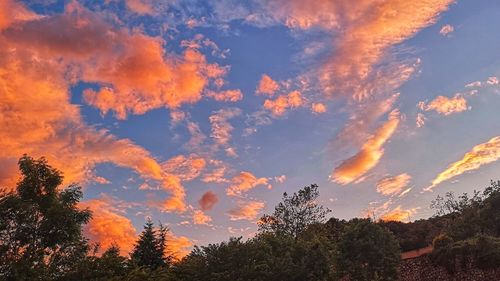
(262, 258)
(111, 264)
(293, 245)
(40, 225)
(470, 216)
(150, 248)
(295, 213)
(367, 251)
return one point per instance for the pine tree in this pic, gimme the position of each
(150, 248)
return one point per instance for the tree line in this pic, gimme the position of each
(41, 239)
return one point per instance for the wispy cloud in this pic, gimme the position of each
(355, 167)
(445, 105)
(399, 214)
(226, 95)
(245, 181)
(246, 210)
(221, 128)
(446, 30)
(480, 155)
(186, 168)
(393, 185)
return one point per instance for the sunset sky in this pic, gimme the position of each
(200, 114)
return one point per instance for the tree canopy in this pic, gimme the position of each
(41, 226)
(295, 213)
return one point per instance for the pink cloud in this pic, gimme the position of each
(208, 201)
(226, 96)
(446, 30)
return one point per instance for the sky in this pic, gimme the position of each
(201, 114)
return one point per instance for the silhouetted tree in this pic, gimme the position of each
(368, 252)
(295, 213)
(40, 225)
(293, 245)
(149, 250)
(111, 264)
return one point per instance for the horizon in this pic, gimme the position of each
(201, 114)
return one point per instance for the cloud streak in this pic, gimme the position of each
(246, 210)
(393, 185)
(355, 167)
(445, 105)
(480, 155)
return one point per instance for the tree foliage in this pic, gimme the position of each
(41, 226)
(150, 249)
(295, 213)
(470, 236)
(366, 251)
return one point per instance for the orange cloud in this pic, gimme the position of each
(267, 86)
(163, 85)
(200, 218)
(108, 226)
(318, 108)
(480, 155)
(186, 168)
(208, 201)
(50, 54)
(246, 210)
(353, 168)
(142, 7)
(244, 182)
(399, 214)
(178, 246)
(280, 105)
(176, 202)
(393, 185)
(227, 96)
(361, 121)
(446, 106)
(138, 75)
(12, 11)
(369, 29)
(361, 66)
